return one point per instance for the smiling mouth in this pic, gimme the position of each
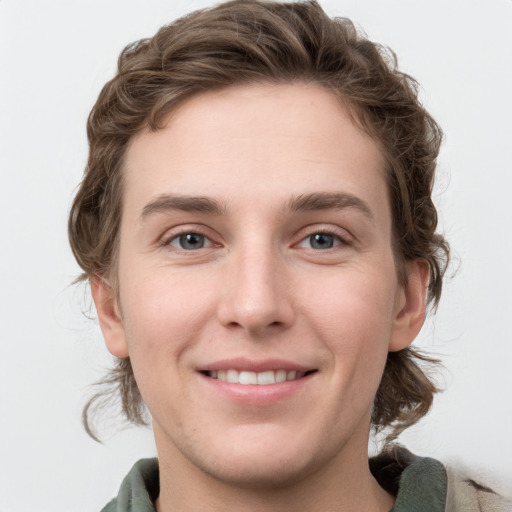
(259, 378)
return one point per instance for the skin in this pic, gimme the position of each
(259, 289)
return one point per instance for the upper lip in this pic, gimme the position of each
(251, 365)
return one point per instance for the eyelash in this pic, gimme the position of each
(342, 240)
(167, 241)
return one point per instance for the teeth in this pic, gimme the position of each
(280, 375)
(247, 377)
(265, 377)
(261, 378)
(232, 376)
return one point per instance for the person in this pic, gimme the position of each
(257, 227)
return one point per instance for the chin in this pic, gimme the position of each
(247, 472)
(253, 464)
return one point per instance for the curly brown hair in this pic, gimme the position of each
(257, 41)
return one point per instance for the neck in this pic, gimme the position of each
(344, 485)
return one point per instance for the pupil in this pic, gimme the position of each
(322, 241)
(192, 241)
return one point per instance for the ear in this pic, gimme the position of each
(411, 306)
(109, 316)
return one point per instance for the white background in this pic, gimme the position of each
(54, 57)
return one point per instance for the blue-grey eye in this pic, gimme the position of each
(189, 241)
(322, 241)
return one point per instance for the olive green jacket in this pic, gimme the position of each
(420, 484)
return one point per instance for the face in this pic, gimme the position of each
(258, 295)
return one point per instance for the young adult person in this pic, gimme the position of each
(257, 227)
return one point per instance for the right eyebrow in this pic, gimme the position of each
(330, 201)
(166, 202)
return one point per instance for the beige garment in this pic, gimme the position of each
(466, 493)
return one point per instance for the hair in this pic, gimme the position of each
(250, 42)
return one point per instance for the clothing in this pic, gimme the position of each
(420, 484)
(466, 494)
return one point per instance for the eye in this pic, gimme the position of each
(321, 241)
(190, 241)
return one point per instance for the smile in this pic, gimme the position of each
(259, 378)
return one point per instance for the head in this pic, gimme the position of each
(248, 43)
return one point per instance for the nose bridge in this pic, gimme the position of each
(255, 296)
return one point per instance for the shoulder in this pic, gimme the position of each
(469, 491)
(420, 481)
(414, 481)
(139, 489)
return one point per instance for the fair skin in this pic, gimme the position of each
(256, 244)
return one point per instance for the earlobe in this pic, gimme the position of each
(411, 306)
(109, 317)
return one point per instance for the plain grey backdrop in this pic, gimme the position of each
(55, 56)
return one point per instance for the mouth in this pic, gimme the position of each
(265, 378)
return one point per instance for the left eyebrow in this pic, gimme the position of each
(168, 202)
(329, 201)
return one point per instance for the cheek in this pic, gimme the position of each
(355, 321)
(163, 318)
(359, 303)
(163, 313)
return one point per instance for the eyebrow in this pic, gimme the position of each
(303, 202)
(166, 202)
(329, 201)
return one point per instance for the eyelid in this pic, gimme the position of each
(207, 242)
(176, 232)
(345, 237)
(341, 234)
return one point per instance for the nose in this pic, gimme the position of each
(257, 295)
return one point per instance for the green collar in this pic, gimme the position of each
(419, 483)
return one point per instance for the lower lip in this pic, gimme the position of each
(257, 394)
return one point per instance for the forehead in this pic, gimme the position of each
(255, 141)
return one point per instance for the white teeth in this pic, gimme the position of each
(247, 378)
(280, 375)
(232, 376)
(267, 377)
(291, 375)
(261, 378)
